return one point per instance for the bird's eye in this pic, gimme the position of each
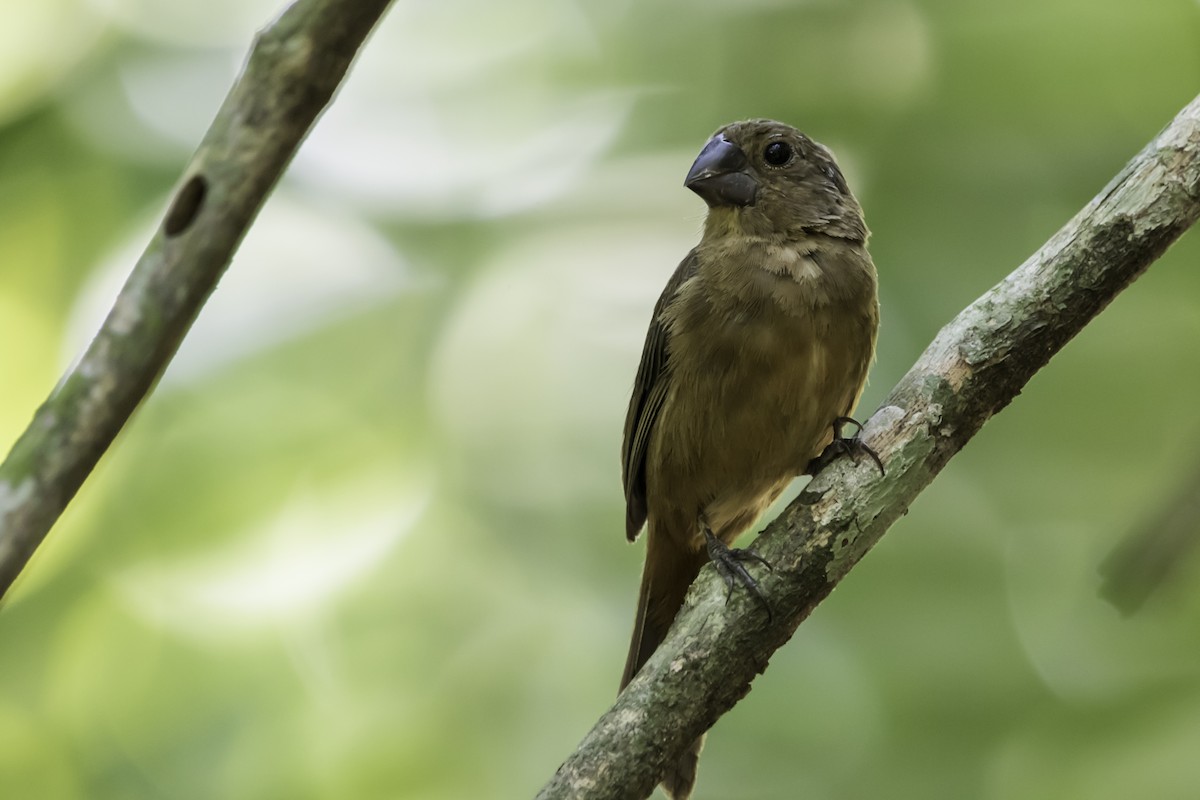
(778, 153)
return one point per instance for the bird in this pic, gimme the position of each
(755, 358)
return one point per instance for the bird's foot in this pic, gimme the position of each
(730, 562)
(852, 446)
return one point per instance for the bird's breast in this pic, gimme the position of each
(757, 373)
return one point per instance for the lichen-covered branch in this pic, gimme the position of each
(294, 67)
(976, 366)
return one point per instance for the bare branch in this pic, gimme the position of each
(294, 67)
(976, 366)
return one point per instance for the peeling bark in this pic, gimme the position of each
(973, 368)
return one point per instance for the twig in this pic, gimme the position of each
(975, 366)
(294, 67)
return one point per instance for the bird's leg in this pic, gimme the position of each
(730, 563)
(852, 446)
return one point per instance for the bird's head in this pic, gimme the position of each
(762, 177)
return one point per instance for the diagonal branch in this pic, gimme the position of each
(294, 67)
(975, 366)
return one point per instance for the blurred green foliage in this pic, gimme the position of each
(365, 539)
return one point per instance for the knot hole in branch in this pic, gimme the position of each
(186, 205)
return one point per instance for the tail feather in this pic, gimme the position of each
(680, 777)
(668, 573)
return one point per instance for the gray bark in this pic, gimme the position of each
(293, 69)
(974, 367)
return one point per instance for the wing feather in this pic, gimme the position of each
(649, 392)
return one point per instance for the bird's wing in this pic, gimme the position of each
(649, 392)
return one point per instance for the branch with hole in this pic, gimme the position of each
(293, 69)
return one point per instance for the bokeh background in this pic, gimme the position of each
(365, 540)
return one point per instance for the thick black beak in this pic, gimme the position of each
(721, 175)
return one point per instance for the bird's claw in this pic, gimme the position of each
(730, 563)
(852, 446)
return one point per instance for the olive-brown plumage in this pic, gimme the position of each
(760, 340)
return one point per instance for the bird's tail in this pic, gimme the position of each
(680, 777)
(668, 573)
